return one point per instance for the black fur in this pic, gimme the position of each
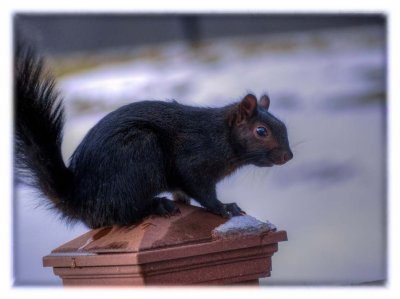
(137, 152)
(38, 131)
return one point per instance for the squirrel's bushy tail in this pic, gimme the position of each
(39, 117)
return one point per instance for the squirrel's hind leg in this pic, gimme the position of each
(164, 207)
(180, 196)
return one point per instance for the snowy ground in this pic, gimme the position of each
(328, 86)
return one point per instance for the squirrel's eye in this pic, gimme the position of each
(262, 131)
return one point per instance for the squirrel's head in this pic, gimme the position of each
(259, 137)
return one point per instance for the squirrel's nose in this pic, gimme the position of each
(287, 155)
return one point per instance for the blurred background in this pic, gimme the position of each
(326, 77)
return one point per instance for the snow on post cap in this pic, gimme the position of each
(241, 226)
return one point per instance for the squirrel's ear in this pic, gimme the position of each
(264, 101)
(247, 107)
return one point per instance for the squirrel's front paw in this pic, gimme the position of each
(231, 209)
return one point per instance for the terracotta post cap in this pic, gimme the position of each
(195, 247)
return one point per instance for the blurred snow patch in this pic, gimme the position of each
(241, 226)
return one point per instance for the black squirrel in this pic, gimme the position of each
(137, 151)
